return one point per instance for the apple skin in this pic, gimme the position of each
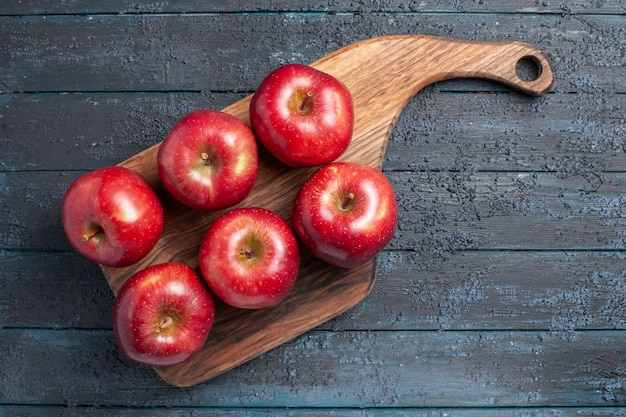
(112, 216)
(345, 213)
(209, 160)
(250, 258)
(163, 315)
(304, 117)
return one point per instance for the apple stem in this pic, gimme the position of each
(249, 253)
(347, 201)
(88, 236)
(306, 103)
(165, 323)
(205, 158)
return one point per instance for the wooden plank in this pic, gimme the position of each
(436, 131)
(450, 211)
(438, 211)
(286, 6)
(352, 369)
(509, 132)
(62, 411)
(559, 292)
(204, 52)
(54, 290)
(87, 131)
(30, 207)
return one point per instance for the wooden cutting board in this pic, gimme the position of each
(382, 74)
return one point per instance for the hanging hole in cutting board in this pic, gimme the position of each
(528, 68)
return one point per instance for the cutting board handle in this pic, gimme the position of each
(499, 62)
(410, 62)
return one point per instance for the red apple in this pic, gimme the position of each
(209, 160)
(163, 315)
(250, 258)
(304, 117)
(112, 216)
(345, 213)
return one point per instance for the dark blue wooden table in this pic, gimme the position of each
(503, 292)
